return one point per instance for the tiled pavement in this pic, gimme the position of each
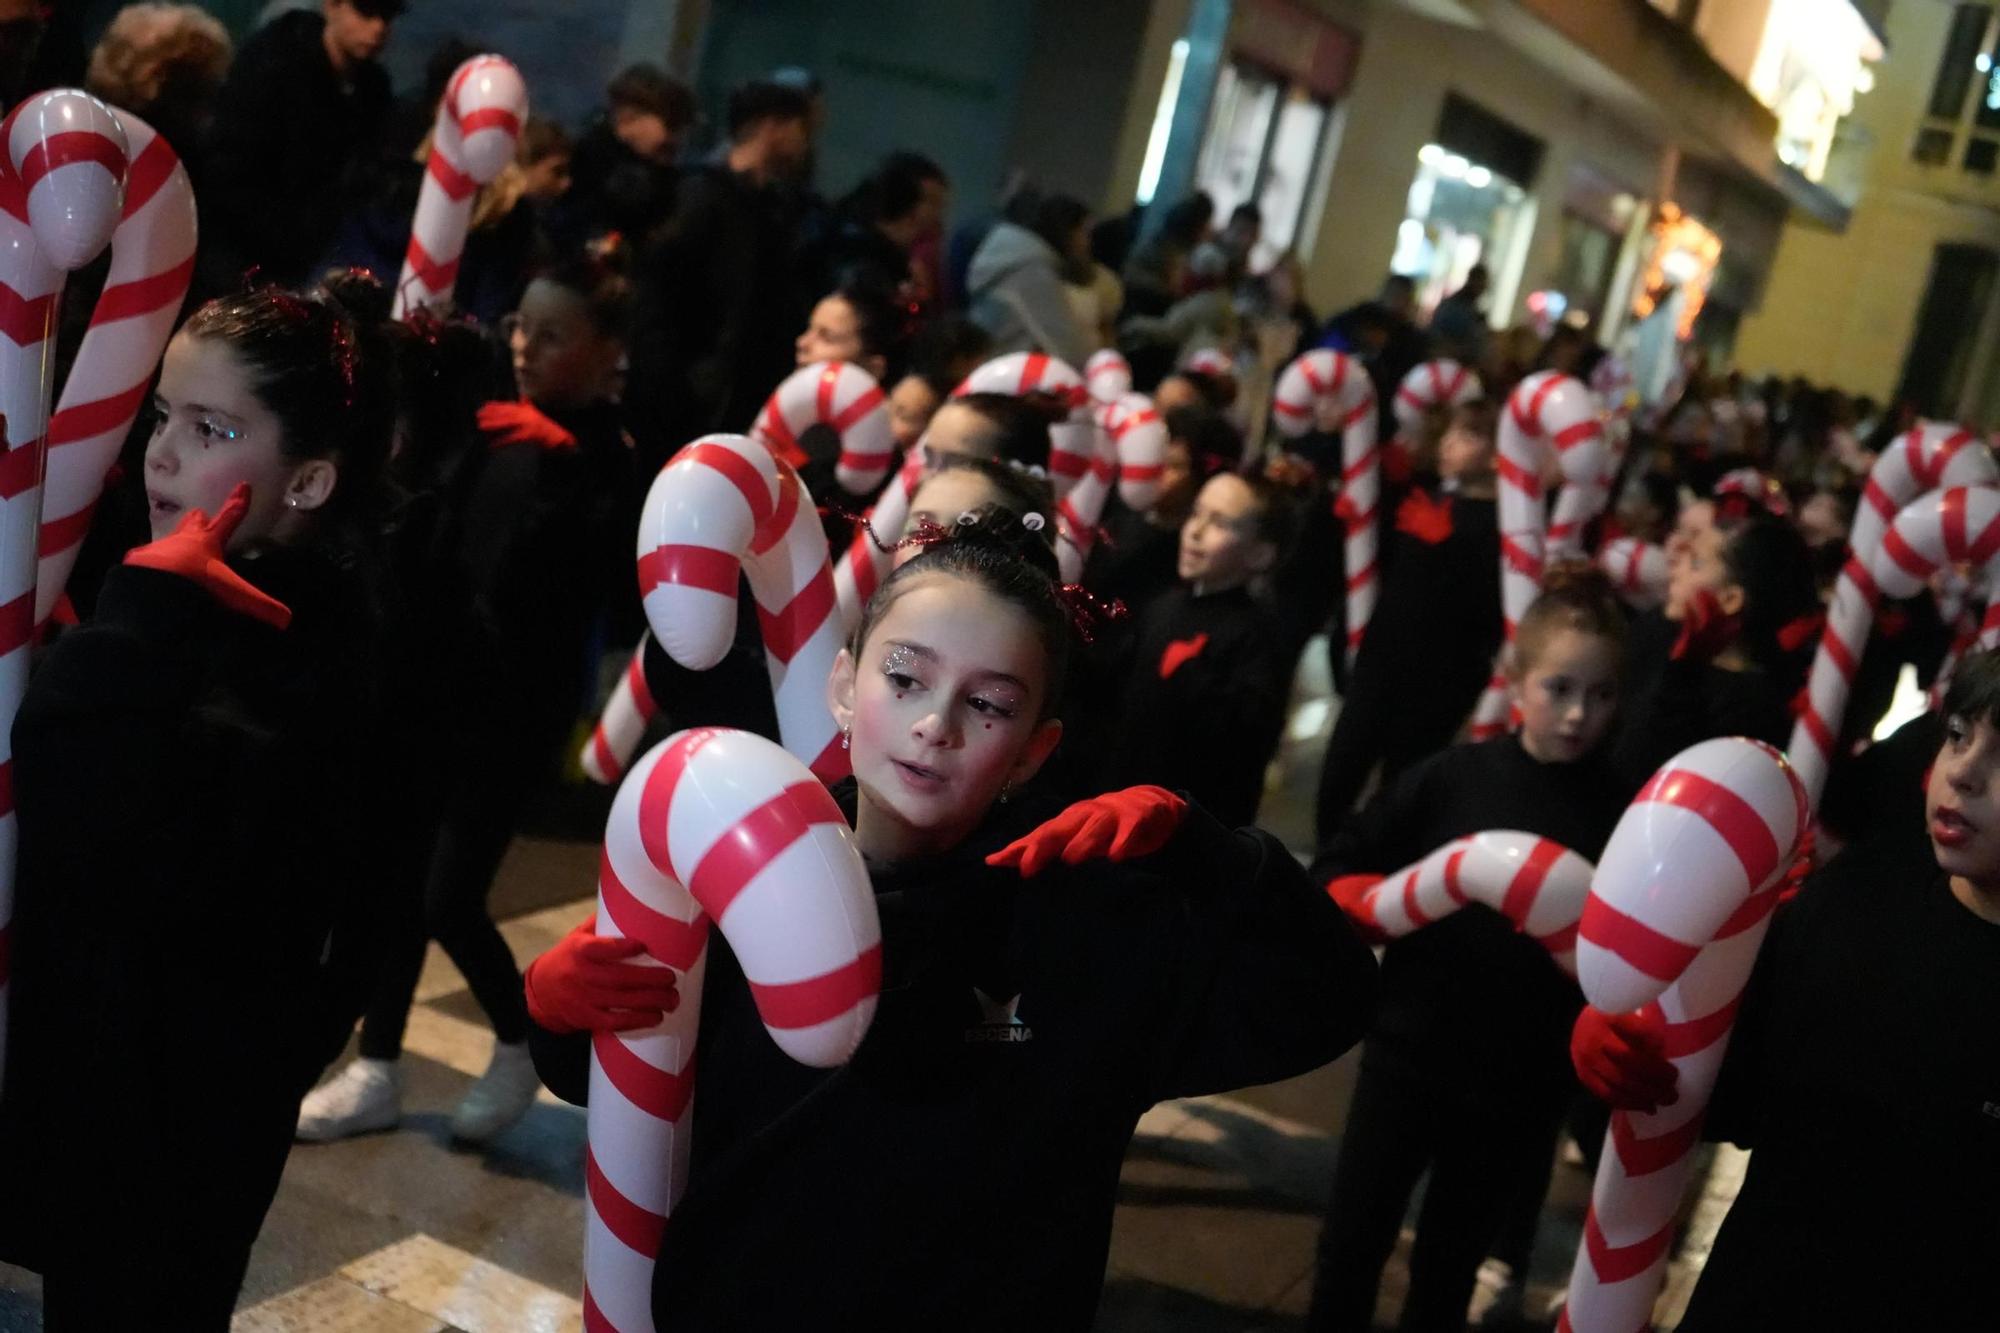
(401, 1233)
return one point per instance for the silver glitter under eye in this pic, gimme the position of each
(900, 661)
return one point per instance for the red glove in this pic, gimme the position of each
(522, 423)
(1705, 629)
(193, 550)
(1117, 826)
(586, 984)
(1424, 518)
(1351, 892)
(1620, 1059)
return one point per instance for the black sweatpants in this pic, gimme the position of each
(1483, 1154)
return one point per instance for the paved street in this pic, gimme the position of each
(401, 1233)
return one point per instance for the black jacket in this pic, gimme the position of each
(1864, 1069)
(285, 134)
(1202, 701)
(962, 1171)
(192, 835)
(1468, 1002)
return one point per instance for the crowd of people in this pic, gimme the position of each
(357, 581)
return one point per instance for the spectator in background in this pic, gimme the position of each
(899, 205)
(165, 64)
(1156, 277)
(1458, 327)
(305, 102)
(623, 167)
(717, 305)
(1016, 283)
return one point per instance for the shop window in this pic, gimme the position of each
(1263, 142)
(1933, 147)
(1963, 61)
(1981, 155)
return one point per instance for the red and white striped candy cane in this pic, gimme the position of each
(1209, 361)
(1078, 512)
(1337, 382)
(62, 171)
(715, 826)
(1430, 384)
(726, 505)
(152, 263)
(1108, 375)
(1549, 418)
(1638, 569)
(1960, 526)
(478, 124)
(1926, 458)
(1072, 443)
(622, 724)
(1535, 882)
(1680, 903)
(863, 565)
(1139, 436)
(844, 397)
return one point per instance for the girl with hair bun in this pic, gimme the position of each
(189, 767)
(1465, 1072)
(1045, 981)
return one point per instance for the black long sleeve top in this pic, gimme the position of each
(961, 1171)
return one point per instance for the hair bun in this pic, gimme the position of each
(1578, 580)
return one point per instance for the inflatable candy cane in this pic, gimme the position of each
(1336, 382)
(1131, 443)
(622, 725)
(478, 123)
(844, 397)
(1108, 375)
(1430, 384)
(1550, 418)
(870, 551)
(1638, 570)
(1954, 527)
(62, 172)
(714, 826)
(152, 263)
(1926, 458)
(1681, 900)
(1210, 361)
(726, 505)
(1534, 882)
(1072, 443)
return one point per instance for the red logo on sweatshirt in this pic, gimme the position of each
(1180, 652)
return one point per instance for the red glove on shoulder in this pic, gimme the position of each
(1706, 629)
(523, 423)
(1621, 1060)
(1117, 826)
(1351, 893)
(1425, 518)
(587, 983)
(193, 550)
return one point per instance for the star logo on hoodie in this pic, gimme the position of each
(999, 1021)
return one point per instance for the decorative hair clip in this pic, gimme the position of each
(1087, 611)
(1033, 522)
(1027, 469)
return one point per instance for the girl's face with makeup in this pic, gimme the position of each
(944, 709)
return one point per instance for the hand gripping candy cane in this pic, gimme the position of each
(478, 123)
(1638, 569)
(843, 397)
(1534, 882)
(63, 167)
(720, 826)
(1549, 418)
(622, 725)
(1440, 383)
(1072, 443)
(870, 552)
(1108, 375)
(1927, 458)
(1680, 903)
(726, 505)
(1336, 382)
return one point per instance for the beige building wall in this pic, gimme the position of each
(1840, 308)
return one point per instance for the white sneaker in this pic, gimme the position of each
(502, 1095)
(365, 1096)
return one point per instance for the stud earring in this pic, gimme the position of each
(292, 500)
(1006, 790)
